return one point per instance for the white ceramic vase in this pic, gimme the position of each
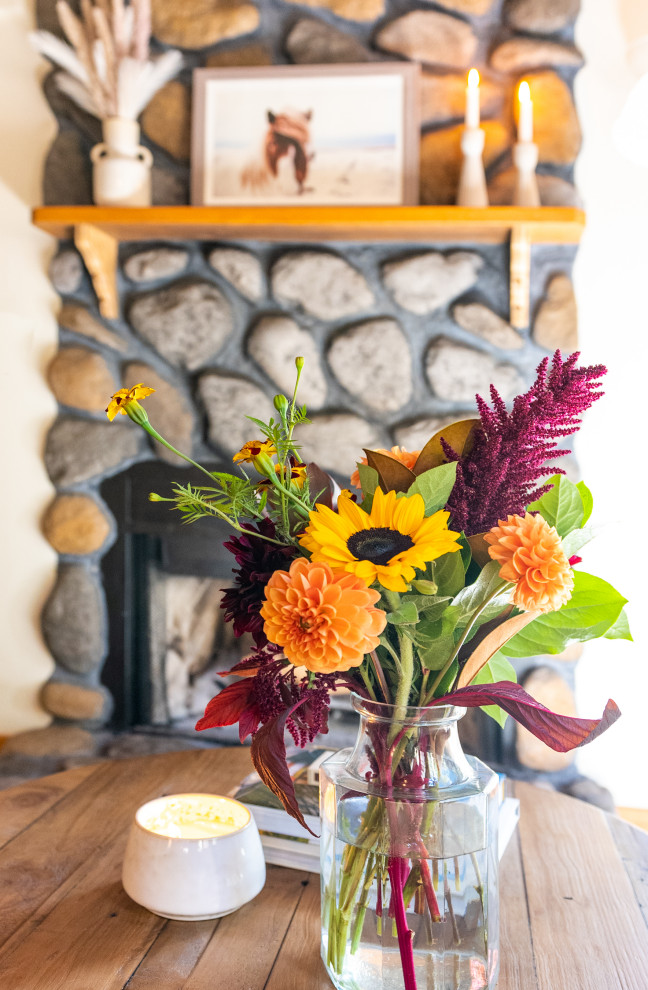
(121, 173)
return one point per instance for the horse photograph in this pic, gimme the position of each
(290, 135)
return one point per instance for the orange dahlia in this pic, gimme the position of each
(406, 457)
(323, 621)
(532, 556)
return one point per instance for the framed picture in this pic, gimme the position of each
(306, 135)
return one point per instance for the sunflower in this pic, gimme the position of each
(386, 545)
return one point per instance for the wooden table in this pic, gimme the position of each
(574, 894)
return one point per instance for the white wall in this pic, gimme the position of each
(612, 288)
(27, 341)
(611, 280)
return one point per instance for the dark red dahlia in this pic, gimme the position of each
(258, 560)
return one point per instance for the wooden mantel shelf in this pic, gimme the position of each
(98, 230)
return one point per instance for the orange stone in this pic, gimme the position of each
(75, 524)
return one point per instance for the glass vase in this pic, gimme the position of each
(409, 856)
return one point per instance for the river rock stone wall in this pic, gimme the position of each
(398, 338)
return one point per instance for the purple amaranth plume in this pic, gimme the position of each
(500, 475)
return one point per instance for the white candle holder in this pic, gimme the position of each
(472, 181)
(525, 158)
(191, 857)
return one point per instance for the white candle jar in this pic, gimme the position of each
(190, 857)
(121, 166)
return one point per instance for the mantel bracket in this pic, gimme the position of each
(99, 251)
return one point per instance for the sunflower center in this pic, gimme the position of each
(378, 545)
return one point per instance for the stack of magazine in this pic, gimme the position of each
(286, 843)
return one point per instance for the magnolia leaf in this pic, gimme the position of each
(434, 486)
(498, 668)
(393, 475)
(562, 506)
(268, 752)
(592, 610)
(491, 644)
(458, 435)
(587, 499)
(560, 732)
(479, 549)
(620, 629)
(320, 482)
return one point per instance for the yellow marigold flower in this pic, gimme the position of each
(323, 621)
(532, 556)
(406, 457)
(125, 401)
(386, 545)
(253, 449)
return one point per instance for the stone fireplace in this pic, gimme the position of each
(397, 338)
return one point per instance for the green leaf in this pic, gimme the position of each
(592, 610)
(498, 668)
(448, 680)
(406, 614)
(562, 506)
(429, 607)
(435, 639)
(448, 573)
(588, 500)
(369, 482)
(434, 486)
(577, 539)
(620, 629)
(473, 595)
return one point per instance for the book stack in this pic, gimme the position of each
(284, 841)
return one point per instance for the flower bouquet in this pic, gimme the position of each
(412, 588)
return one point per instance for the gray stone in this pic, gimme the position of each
(158, 262)
(169, 188)
(228, 402)
(74, 620)
(325, 285)
(553, 190)
(167, 119)
(274, 344)
(187, 323)
(78, 449)
(79, 320)
(240, 268)
(556, 324)
(544, 16)
(415, 435)
(523, 54)
(169, 412)
(81, 378)
(425, 282)
(312, 42)
(66, 177)
(479, 319)
(335, 441)
(443, 97)
(66, 272)
(372, 361)
(458, 373)
(431, 37)
(75, 701)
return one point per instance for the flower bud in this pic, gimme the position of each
(425, 587)
(299, 363)
(281, 404)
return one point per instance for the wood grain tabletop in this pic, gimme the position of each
(574, 894)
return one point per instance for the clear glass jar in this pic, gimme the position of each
(409, 856)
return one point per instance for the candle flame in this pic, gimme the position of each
(524, 93)
(473, 79)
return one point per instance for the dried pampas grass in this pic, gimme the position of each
(107, 68)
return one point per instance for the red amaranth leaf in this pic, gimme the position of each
(227, 706)
(560, 732)
(268, 753)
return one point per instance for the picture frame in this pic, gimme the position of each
(306, 135)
